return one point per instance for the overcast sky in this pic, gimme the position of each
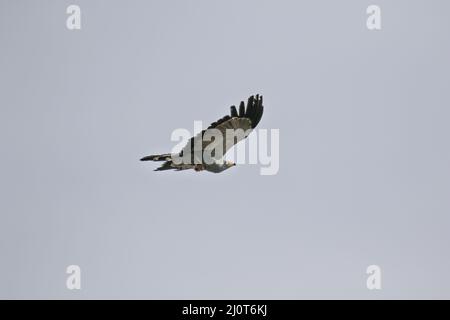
(364, 154)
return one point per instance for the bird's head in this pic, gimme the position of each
(229, 164)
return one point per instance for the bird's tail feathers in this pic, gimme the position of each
(158, 157)
(165, 166)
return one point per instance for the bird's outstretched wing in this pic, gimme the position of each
(246, 119)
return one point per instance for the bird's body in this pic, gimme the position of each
(227, 131)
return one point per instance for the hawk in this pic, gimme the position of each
(198, 159)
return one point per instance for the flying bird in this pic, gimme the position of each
(246, 119)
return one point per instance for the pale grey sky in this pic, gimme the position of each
(364, 159)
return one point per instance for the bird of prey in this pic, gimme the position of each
(245, 120)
